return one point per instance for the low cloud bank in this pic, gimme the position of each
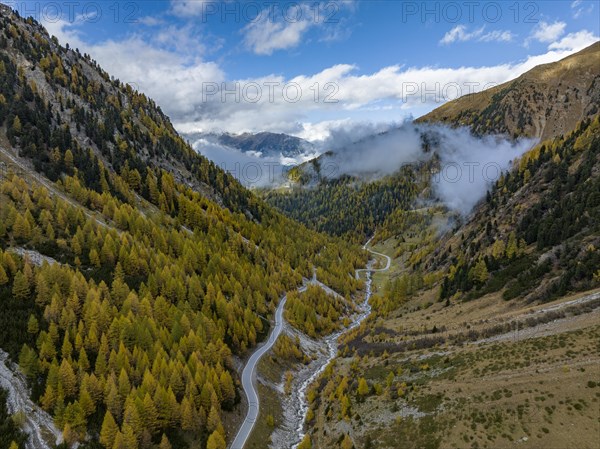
(469, 164)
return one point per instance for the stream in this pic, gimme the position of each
(331, 342)
(295, 407)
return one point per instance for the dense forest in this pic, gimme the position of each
(161, 263)
(316, 312)
(347, 206)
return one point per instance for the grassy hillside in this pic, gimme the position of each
(545, 102)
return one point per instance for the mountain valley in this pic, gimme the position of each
(150, 300)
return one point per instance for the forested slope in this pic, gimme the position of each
(538, 232)
(348, 206)
(163, 261)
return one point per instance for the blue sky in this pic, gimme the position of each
(369, 61)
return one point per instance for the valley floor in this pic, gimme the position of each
(481, 374)
(284, 386)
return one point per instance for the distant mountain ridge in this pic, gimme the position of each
(266, 143)
(262, 144)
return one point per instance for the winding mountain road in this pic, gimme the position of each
(371, 270)
(249, 372)
(249, 378)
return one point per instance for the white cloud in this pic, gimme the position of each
(266, 36)
(548, 32)
(321, 130)
(574, 41)
(460, 34)
(498, 36)
(177, 80)
(150, 21)
(579, 9)
(285, 26)
(192, 8)
(270, 32)
(276, 26)
(182, 39)
(470, 164)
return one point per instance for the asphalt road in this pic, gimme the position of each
(249, 380)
